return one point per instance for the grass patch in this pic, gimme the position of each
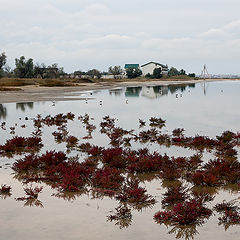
(179, 77)
(18, 82)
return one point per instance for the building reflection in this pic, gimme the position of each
(154, 92)
(24, 106)
(133, 91)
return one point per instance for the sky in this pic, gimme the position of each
(86, 34)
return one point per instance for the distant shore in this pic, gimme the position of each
(35, 93)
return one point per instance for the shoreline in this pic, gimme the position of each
(37, 94)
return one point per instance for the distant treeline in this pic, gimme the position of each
(25, 68)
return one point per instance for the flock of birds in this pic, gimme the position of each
(101, 102)
(178, 95)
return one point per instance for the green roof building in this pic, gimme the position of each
(131, 66)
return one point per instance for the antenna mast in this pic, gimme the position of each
(205, 73)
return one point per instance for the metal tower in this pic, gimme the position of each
(205, 75)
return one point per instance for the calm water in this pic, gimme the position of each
(205, 110)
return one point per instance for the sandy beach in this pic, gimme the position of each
(34, 93)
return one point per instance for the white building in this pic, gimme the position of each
(148, 68)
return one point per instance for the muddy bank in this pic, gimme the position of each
(35, 93)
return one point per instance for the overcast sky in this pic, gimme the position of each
(85, 34)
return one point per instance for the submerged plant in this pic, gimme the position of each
(184, 213)
(175, 194)
(4, 189)
(122, 217)
(135, 195)
(230, 213)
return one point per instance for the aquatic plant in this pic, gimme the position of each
(202, 177)
(18, 145)
(226, 206)
(107, 178)
(142, 123)
(132, 193)
(184, 213)
(178, 132)
(4, 189)
(229, 218)
(114, 157)
(230, 212)
(194, 162)
(157, 122)
(107, 124)
(144, 162)
(175, 194)
(89, 127)
(119, 170)
(3, 125)
(122, 217)
(172, 168)
(33, 192)
(226, 137)
(71, 141)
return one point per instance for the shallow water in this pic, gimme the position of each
(205, 110)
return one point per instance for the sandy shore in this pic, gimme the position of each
(34, 93)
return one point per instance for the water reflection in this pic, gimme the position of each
(24, 106)
(153, 92)
(116, 92)
(133, 91)
(3, 112)
(185, 232)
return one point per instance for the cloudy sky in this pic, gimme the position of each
(85, 34)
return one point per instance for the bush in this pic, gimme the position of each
(192, 75)
(133, 72)
(157, 73)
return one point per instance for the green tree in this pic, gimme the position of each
(3, 61)
(24, 68)
(7, 71)
(182, 72)
(79, 73)
(133, 72)
(116, 70)
(192, 75)
(173, 72)
(94, 73)
(157, 73)
(40, 70)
